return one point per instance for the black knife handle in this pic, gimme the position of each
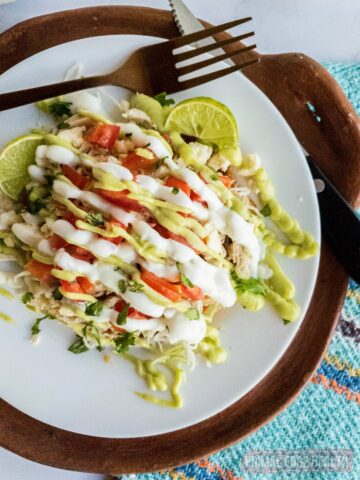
(339, 223)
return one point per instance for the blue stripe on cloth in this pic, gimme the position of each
(341, 376)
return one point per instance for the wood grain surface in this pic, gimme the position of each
(290, 81)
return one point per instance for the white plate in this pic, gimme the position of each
(82, 393)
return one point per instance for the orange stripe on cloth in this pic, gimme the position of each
(215, 468)
(333, 385)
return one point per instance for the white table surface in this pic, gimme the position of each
(323, 29)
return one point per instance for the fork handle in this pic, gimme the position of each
(31, 95)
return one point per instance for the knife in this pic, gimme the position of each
(340, 224)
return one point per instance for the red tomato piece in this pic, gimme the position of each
(104, 135)
(121, 200)
(72, 287)
(177, 183)
(70, 217)
(164, 232)
(226, 180)
(133, 313)
(57, 242)
(192, 293)
(85, 284)
(40, 271)
(169, 290)
(80, 253)
(137, 164)
(79, 180)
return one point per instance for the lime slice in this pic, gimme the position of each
(206, 119)
(15, 158)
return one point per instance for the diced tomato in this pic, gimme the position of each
(133, 313)
(180, 184)
(72, 287)
(137, 164)
(104, 135)
(80, 253)
(169, 290)
(164, 232)
(40, 271)
(70, 217)
(57, 242)
(121, 200)
(227, 181)
(196, 198)
(192, 293)
(80, 181)
(85, 284)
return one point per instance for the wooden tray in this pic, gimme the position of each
(290, 81)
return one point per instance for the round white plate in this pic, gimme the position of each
(82, 393)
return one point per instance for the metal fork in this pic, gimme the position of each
(149, 70)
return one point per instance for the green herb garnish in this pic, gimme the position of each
(35, 207)
(122, 316)
(160, 162)
(63, 125)
(94, 331)
(78, 346)
(27, 297)
(94, 309)
(193, 314)
(95, 219)
(57, 295)
(164, 102)
(60, 109)
(35, 329)
(175, 190)
(285, 322)
(214, 176)
(252, 285)
(266, 211)
(123, 341)
(131, 285)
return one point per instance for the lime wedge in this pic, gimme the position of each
(15, 158)
(206, 119)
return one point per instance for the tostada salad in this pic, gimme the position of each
(135, 233)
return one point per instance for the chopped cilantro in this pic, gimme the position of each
(63, 125)
(60, 109)
(252, 285)
(35, 329)
(27, 297)
(57, 295)
(266, 211)
(78, 346)
(122, 316)
(175, 190)
(123, 341)
(95, 219)
(193, 314)
(94, 309)
(132, 285)
(285, 322)
(164, 102)
(214, 176)
(94, 331)
(36, 206)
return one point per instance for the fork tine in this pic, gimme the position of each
(180, 57)
(193, 82)
(194, 37)
(210, 61)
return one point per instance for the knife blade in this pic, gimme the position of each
(340, 224)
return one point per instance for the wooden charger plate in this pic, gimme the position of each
(290, 81)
